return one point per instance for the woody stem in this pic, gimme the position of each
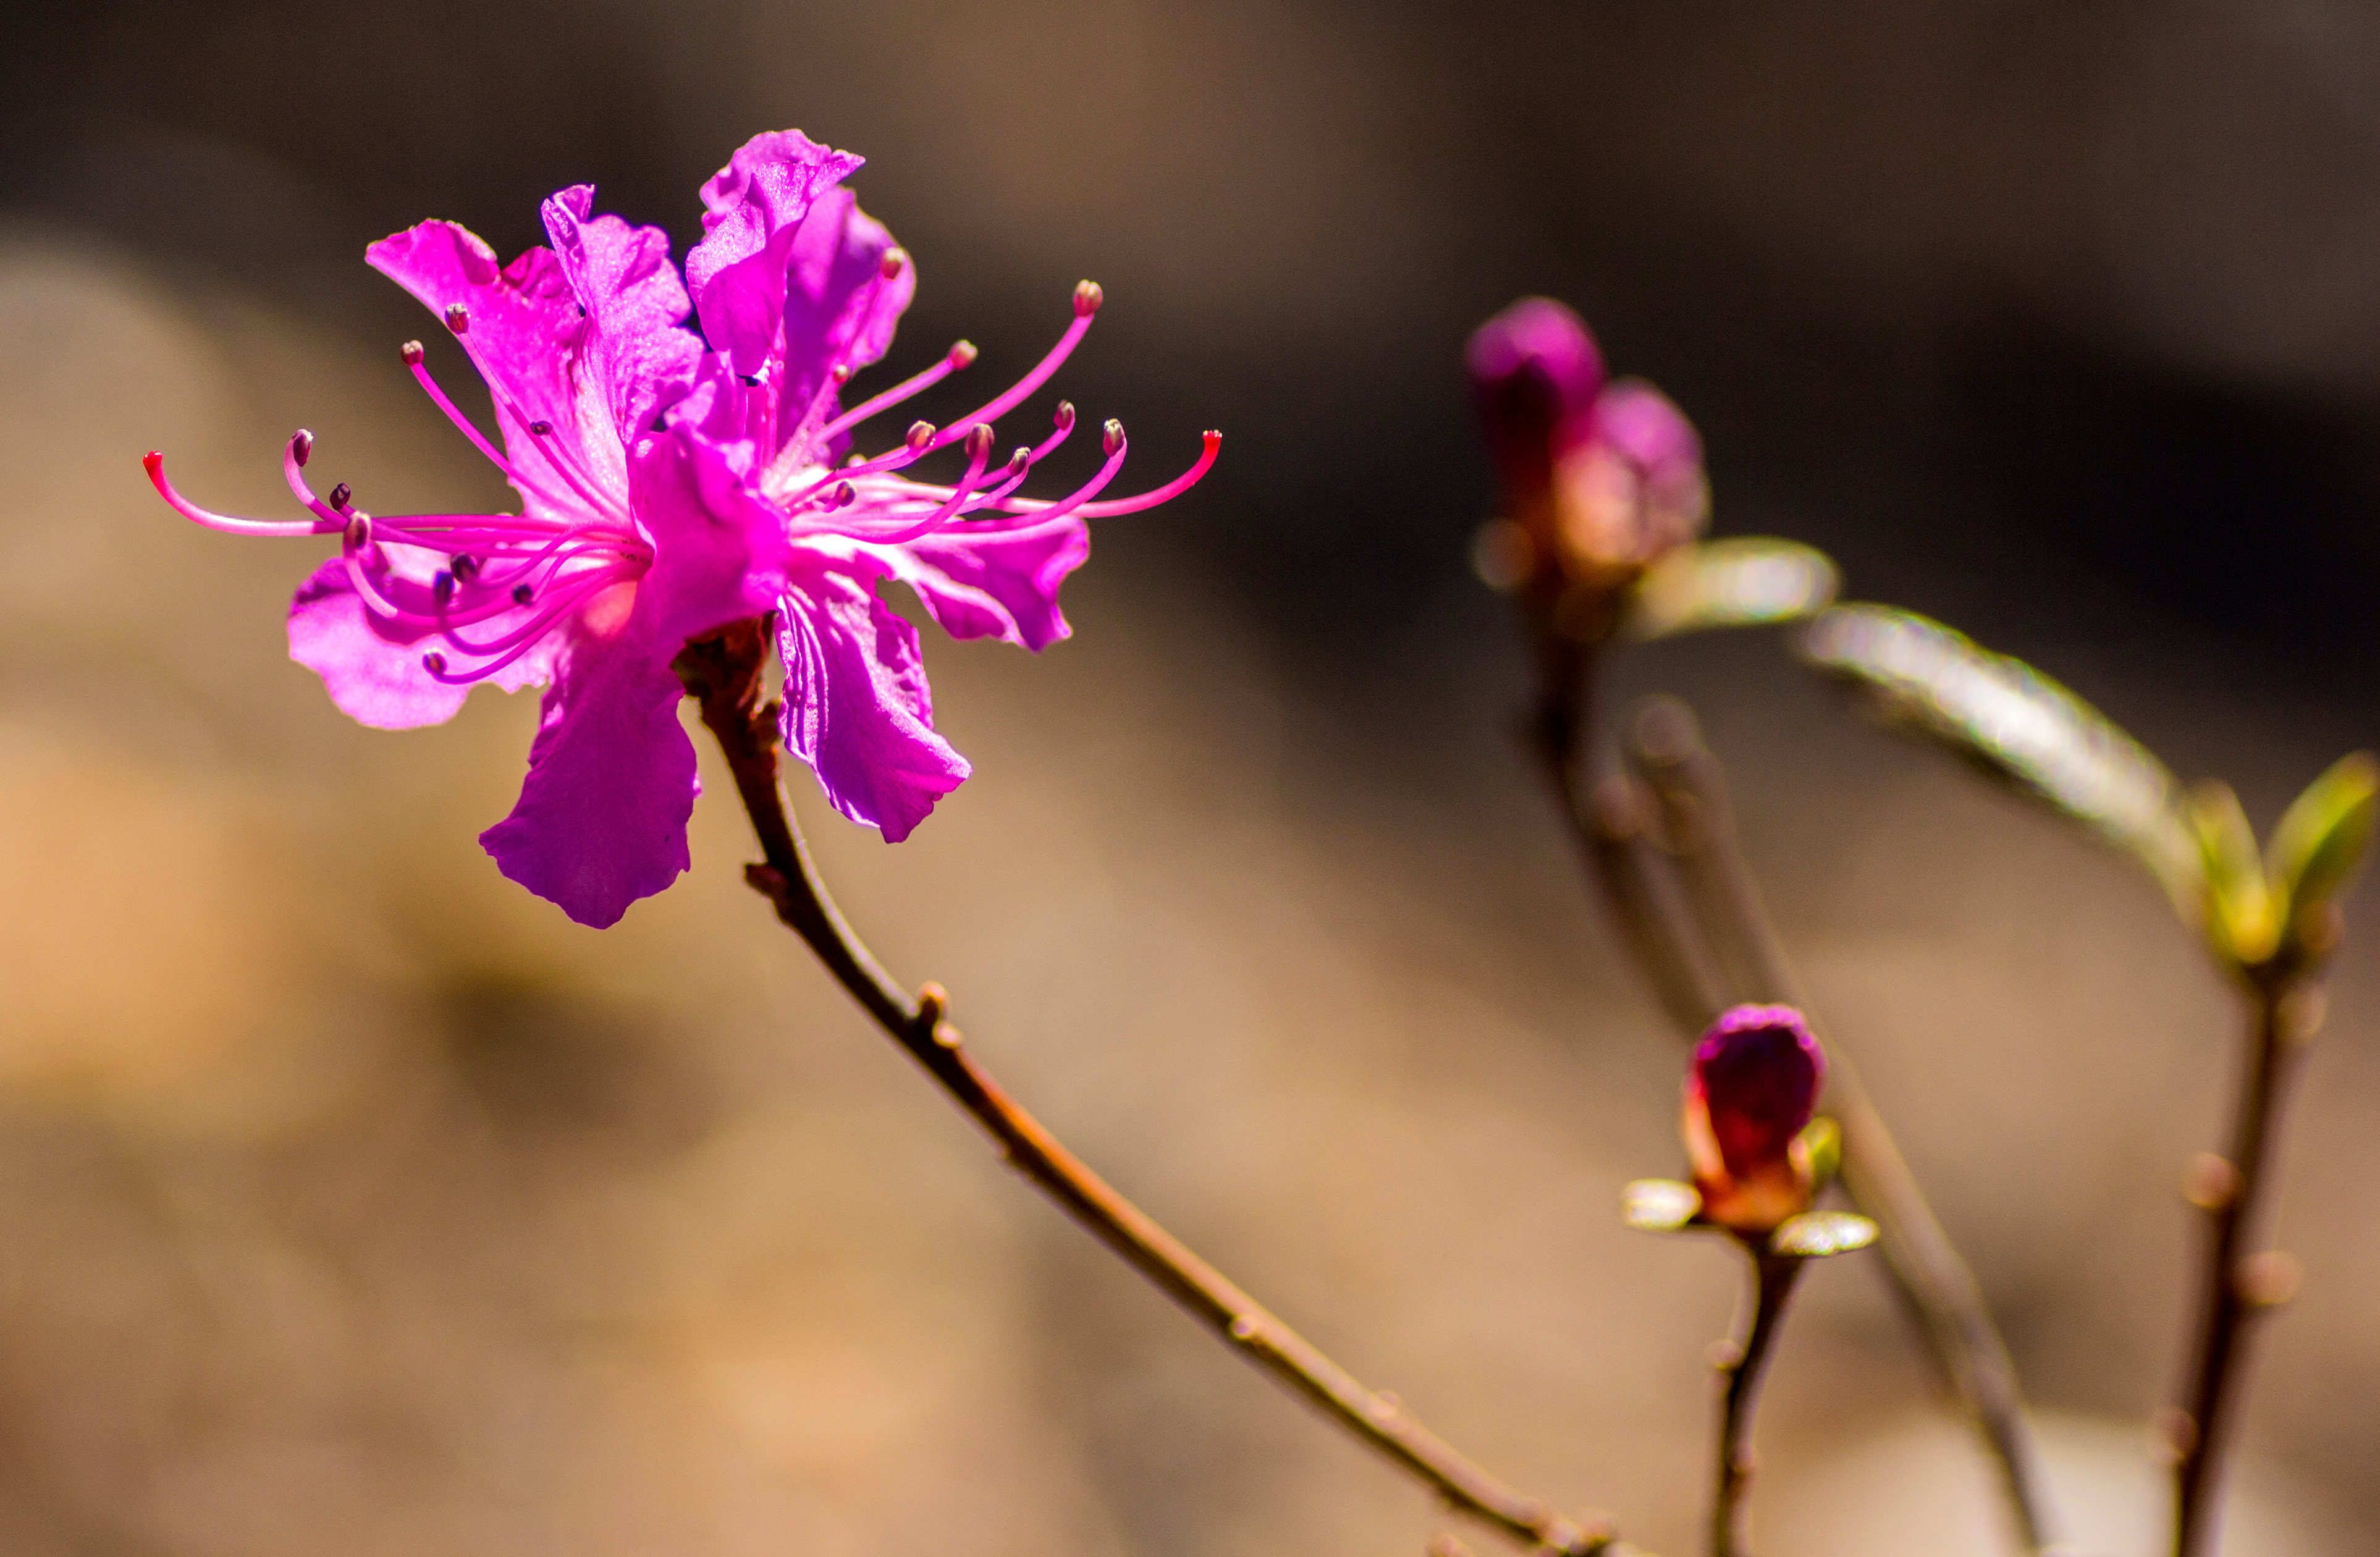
(2235, 1216)
(722, 673)
(1773, 1276)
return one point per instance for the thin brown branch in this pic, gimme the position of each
(724, 674)
(2235, 1286)
(1936, 1286)
(1611, 815)
(1773, 1276)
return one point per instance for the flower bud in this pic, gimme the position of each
(1535, 375)
(1749, 1093)
(1602, 478)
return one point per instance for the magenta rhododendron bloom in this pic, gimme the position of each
(590, 591)
(798, 289)
(1750, 1088)
(1601, 476)
(667, 491)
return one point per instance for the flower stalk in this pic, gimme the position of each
(722, 672)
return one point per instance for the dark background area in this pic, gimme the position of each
(2058, 320)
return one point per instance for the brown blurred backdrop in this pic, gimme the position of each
(353, 1202)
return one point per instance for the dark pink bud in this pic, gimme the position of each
(1757, 1072)
(1535, 375)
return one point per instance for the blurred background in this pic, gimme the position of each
(352, 1200)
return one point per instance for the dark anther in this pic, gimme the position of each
(540, 427)
(341, 495)
(1112, 437)
(523, 594)
(920, 434)
(442, 586)
(458, 317)
(466, 567)
(411, 352)
(1088, 295)
(962, 353)
(889, 266)
(435, 663)
(1064, 419)
(301, 446)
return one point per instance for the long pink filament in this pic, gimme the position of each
(154, 463)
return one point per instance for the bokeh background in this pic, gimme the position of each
(353, 1202)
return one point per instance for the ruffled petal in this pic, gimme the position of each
(984, 584)
(524, 316)
(857, 707)
(753, 210)
(373, 678)
(602, 818)
(840, 305)
(634, 339)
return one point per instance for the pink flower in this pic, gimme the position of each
(616, 558)
(1601, 477)
(798, 289)
(1752, 1088)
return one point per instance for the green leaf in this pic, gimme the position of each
(1742, 582)
(1659, 1204)
(2018, 726)
(1816, 1234)
(1819, 1151)
(2243, 914)
(2321, 838)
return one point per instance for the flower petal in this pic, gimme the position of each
(840, 305)
(720, 552)
(635, 340)
(522, 316)
(857, 707)
(987, 584)
(372, 666)
(753, 210)
(602, 818)
(373, 678)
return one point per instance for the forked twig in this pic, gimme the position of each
(1935, 1282)
(723, 671)
(1724, 938)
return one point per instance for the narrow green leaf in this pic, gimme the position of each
(1816, 1234)
(2244, 920)
(2322, 837)
(2016, 725)
(1741, 582)
(1659, 1204)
